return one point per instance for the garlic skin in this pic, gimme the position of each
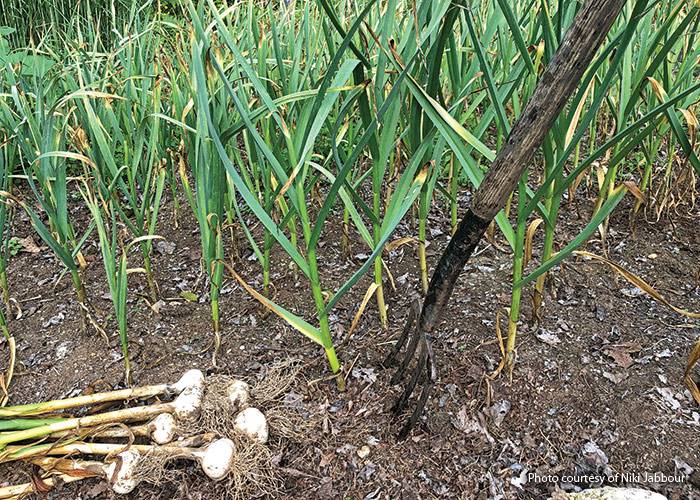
(238, 393)
(216, 459)
(121, 472)
(252, 423)
(163, 428)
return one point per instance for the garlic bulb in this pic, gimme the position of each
(216, 458)
(163, 428)
(238, 392)
(252, 423)
(191, 378)
(121, 472)
(188, 405)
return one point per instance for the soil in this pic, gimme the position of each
(597, 389)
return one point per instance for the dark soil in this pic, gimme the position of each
(597, 389)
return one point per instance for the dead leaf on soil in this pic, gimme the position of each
(366, 374)
(594, 455)
(503, 299)
(622, 358)
(326, 460)
(156, 307)
(471, 425)
(621, 353)
(547, 337)
(498, 411)
(29, 246)
(615, 378)
(668, 396)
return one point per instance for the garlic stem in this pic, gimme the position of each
(186, 408)
(189, 379)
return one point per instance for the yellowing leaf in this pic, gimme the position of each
(689, 382)
(658, 89)
(368, 295)
(636, 192)
(692, 122)
(423, 174)
(527, 250)
(390, 247)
